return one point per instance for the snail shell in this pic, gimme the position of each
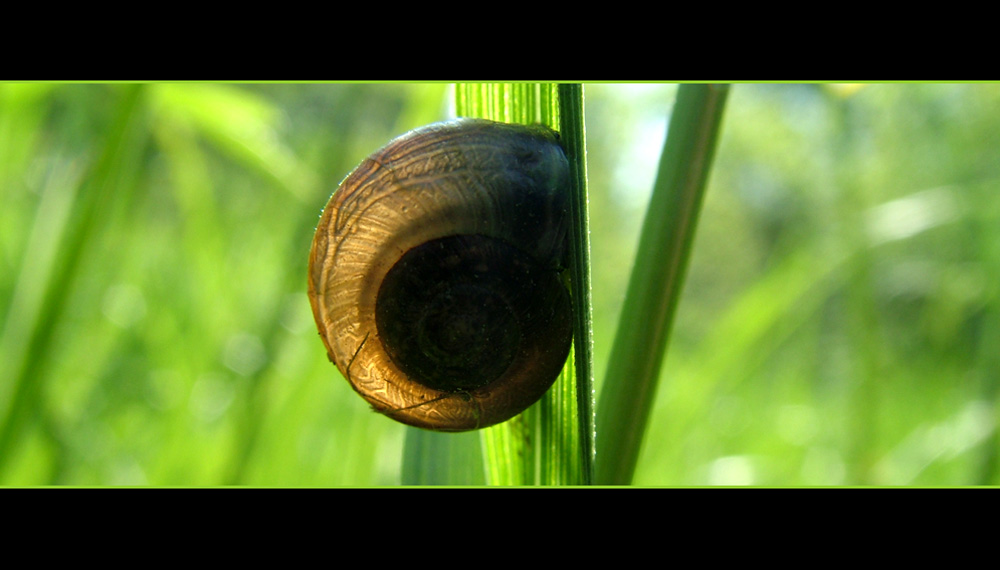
(435, 273)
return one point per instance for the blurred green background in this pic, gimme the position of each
(840, 324)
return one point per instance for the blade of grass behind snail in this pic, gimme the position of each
(551, 443)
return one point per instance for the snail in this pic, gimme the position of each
(435, 274)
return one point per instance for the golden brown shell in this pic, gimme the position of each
(434, 274)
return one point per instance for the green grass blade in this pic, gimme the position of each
(573, 137)
(432, 458)
(657, 277)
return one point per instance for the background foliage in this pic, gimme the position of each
(840, 323)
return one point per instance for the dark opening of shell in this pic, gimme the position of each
(451, 312)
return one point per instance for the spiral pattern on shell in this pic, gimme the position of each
(435, 274)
